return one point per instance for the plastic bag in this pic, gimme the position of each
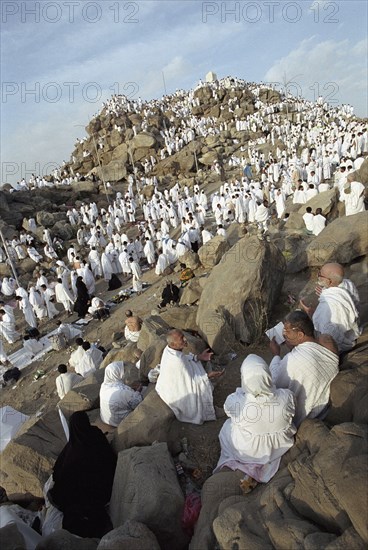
(154, 374)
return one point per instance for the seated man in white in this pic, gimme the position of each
(183, 383)
(117, 399)
(336, 313)
(308, 369)
(77, 354)
(66, 380)
(133, 325)
(260, 429)
(91, 360)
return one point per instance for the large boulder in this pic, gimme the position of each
(208, 158)
(116, 138)
(326, 200)
(64, 230)
(114, 171)
(216, 489)
(63, 540)
(293, 248)
(190, 259)
(319, 494)
(183, 317)
(29, 458)
(143, 477)
(149, 422)
(341, 241)
(142, 140)
(295, 222)
(240, 292)
(48, 219)
(211, 253)
(192, 291)
(349, 396)
(120, 153)
(132, 535)
(150, 358)
(128, 353)
(85, 187)
(153, 328)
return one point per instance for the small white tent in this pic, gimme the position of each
(10, 422)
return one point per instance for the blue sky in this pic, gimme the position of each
(61, 59)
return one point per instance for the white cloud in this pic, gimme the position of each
(334, 69)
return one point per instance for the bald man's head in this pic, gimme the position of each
(332, 271)
(176, 340)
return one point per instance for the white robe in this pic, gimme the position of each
(307, 371)
(86, 364)
(162, 264)
(75, 357)
(28, 313)
(107, 267)
(337, 315)
(137, 274)
(259, 430)
(117, 399)
(63, 296)
(184, 386)
(37, 302)
(65, 382)
(149, 252)
(7, 329)
(319, 223)
(354, 201)
(94, 260)
(49, 295)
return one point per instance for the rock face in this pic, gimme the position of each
(341, 241)
(217, 488)
(132, 535)
(115, 170)
(29, 458)
(149, 422)
(63, 540)
(143, 476)
(326, 200)
(211, 253)
(85, 396)
(240, 292)
(191, 292)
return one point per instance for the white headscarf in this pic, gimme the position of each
(255, 376)
(114, 373)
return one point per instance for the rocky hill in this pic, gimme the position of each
(244, 283)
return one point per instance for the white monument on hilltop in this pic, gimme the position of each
(211, 77)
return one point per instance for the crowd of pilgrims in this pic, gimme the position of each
(326, 135)
(332, 145)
